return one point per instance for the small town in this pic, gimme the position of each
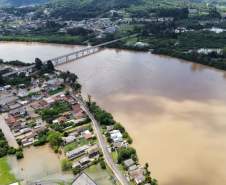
(49, 110)
(14, 23)
(112, 92)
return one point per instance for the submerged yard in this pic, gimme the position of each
(6, 177)
(39, 163)
(100, 176)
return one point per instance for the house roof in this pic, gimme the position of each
(84, 159)
(10, 120)
(20, 110)
(77, 150)
(93, 149)
(83, 179)
(87, 134)
(128, 162)
(76, 108)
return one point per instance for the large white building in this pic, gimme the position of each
(116, 136)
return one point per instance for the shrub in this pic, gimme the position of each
(19, 154)
(11, 150)
(102, 164)
(126, 153)
(76, 171)
(66, 165)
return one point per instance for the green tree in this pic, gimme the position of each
(73, 78)
(102, 164)
(49, 66)
(19, 154)
(146, 165)
(76, 87)
(64, 76)
(2, 82)
(89, 100)
(66, 165)
(76, 170)
(54, 138)
(126, 153)
(154, 182)
(224, 52)
(213, 13)
(38, 64)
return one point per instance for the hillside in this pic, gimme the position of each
(87, 8)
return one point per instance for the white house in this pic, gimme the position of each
(116, 136)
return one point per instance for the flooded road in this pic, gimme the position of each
(174, 110)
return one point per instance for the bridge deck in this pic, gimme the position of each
(65, 58)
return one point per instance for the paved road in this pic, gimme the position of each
(103, 145)
(7, 132)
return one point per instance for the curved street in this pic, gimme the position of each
(103, 145)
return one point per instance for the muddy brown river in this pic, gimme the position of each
(174, 110)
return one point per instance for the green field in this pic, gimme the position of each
(58, 90)
(6, 177)
(79, 143)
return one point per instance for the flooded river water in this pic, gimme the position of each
(174, 110)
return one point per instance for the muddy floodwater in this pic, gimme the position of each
(174, 110)
(39, 163)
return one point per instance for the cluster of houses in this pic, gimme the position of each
(13, 98)
(116, 137)
(29, 23)
(22, 103)
(19, 121)
(97, 25)
(134, 171)
(83, 155)
(80, 132)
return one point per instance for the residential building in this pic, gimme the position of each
(93, 151)
(129, 162)
(87, 134)
(20, 112)
(84, 161)
(77, 152)
(83, 179)
(137, 175)
(116, 136)
(69, 139)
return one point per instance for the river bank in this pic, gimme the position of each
(154, 44)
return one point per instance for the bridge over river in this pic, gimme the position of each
(70, 57)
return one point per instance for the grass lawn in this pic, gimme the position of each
(58, 90)
(5, 175)
(74, 128)
(79, 143)
(100, 176)
(114, 156)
